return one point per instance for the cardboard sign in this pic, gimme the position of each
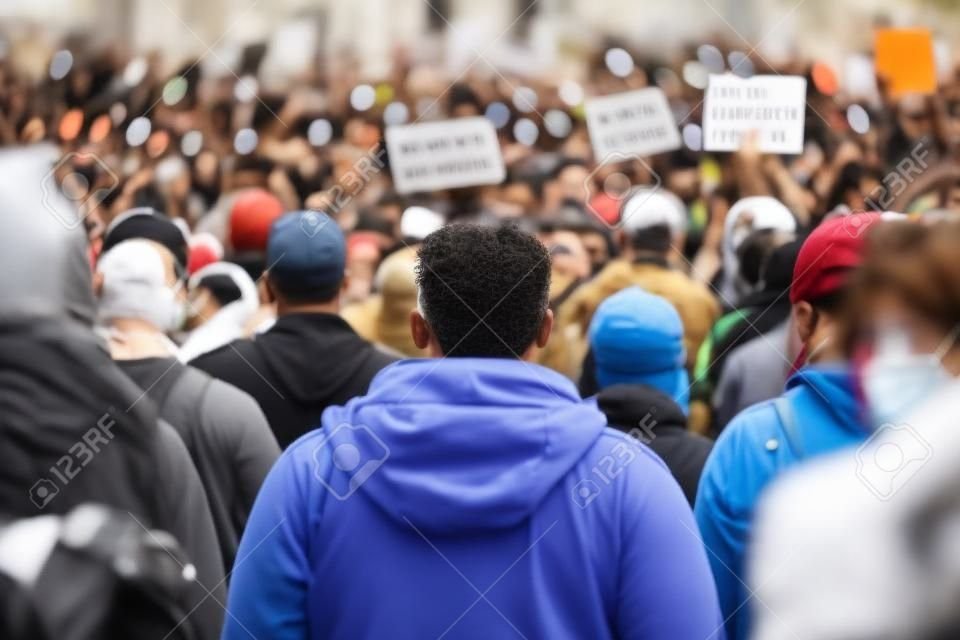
(443, 155)
(636, 122)
(904, 57)
(772, 106)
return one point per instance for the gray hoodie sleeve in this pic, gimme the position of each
(186, 515)
(727, 397)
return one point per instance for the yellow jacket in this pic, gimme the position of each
(697, 307)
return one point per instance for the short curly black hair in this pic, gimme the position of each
(483, 290)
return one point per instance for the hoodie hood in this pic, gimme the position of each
(833, 388)
(628, 405)
(227, 324)
(466, 443)
(766, 213)
(46, 269)
(322, 344)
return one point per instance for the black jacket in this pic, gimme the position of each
(305, 363)
(636, 406)
(73, 430)
(225, 432)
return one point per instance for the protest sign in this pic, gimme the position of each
(636, 122)
(860, 78)
(904, 58)
(442, 155)
(772, 106)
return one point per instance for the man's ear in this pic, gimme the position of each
(267, 295)
(98, 283)
(545, 328)
(419, 329)
(804, 319)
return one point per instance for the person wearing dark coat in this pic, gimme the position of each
(658, 421)
(73, 428)
(637, 354)
(310, 359)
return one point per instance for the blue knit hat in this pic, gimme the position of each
(637, 338)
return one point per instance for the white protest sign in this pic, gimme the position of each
(637, 122)
(773, 106)
(442, 155)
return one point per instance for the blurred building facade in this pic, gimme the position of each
(530, 34)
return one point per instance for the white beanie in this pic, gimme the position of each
(135, 286)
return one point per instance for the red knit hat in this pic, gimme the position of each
(250, 218)
(828, 255)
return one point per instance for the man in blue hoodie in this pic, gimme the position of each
(817, 414)
(472, 495)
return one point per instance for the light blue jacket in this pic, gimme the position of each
(818, 413)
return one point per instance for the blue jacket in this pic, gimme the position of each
(817, 414)
(470, 498)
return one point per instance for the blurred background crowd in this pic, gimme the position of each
(221, 118)
(222, 146)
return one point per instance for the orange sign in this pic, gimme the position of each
(904, 58)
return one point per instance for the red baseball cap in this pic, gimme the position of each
(250, 218)
(828, 255)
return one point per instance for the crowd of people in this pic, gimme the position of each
(249, 388)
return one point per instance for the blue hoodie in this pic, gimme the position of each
(817, 414)
(483, 499)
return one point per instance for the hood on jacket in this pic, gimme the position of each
(57, 388)
(466, 443)
(627, 406)
(45, 265)
(833, 390)
(321, 343)
(228, 323)
(766, 213)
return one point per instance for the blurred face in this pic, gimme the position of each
(914, 117)
(465, 110)
(685, 183)
(519, 195)
(893, 320)
(596, 247)
(910, 360)
(568, 255)
(206, 167)
(362, 260)
(856, 199)
(203, 305)
(570, 184)
(170, 274)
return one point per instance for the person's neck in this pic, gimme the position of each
(286, 308)
(135, 339)
(825, 355)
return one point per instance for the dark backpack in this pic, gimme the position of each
(93, 574)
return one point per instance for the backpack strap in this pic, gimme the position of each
(161, 389)
(189, 387)
(788, 423)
